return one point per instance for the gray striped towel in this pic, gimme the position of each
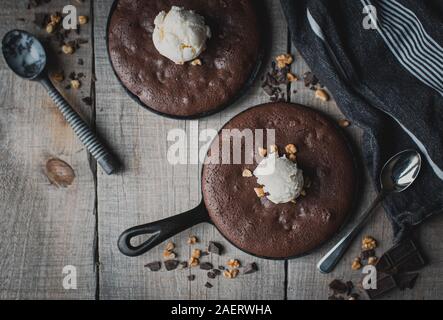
(383, 62)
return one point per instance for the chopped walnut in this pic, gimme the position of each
(231, 274)
(322, 95)
(247, 173)
(170, 246)
(356, 264)
(196, 253)
(68, 49)
(262, 152)
(233, 263)
(292, 157)
(273, 148)
(75, 84)
(291, 77)
(192, 240)
(368, 243)
(283, 60)
(260, 192)
(193, 262)
(169, 255)
(50, 28)
(196, 62)
(372, 261)
(344, 123)
(82, 20)
(55, 18)
(291, 149)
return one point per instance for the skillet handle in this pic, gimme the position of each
(161, 230)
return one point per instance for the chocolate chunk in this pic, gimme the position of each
(366, 254)
(208, 285)
(191, 277)
(171, 264)
(211, 275)
(80, 62)
(403, 257)
(184, 264)
(406, 280)
(206, 266)
(384, 284)
(250, 268)
(217, 272)
(215, 248)
(154, 266)
(310, 79)
(338, 286)
(221, 268)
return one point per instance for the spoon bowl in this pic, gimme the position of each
(400, 171)
(24, 54)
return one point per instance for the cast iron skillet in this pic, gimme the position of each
(164, 229)
(260, 7)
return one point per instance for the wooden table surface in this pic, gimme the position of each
(44, 228)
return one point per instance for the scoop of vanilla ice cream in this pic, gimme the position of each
(280, 178)
(180, 35)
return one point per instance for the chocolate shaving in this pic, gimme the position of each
(215, 248)
(171, 264)
(211, 275)
(208, 285)
(206, 266)
(191, 277)
(250, 268)
(338, 286)
(87, 101)
(154, 266)
(366, 254)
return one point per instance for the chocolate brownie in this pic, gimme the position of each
(263, 228)
(228, 63)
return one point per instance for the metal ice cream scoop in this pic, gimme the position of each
(26, 56)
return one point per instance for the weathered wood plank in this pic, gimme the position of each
(306, 282)
(43, 228)
(151, 189)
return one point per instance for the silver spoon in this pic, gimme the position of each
(396, 176)
(26, 56)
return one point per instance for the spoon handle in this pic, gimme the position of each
(330, 260)
(103, 157)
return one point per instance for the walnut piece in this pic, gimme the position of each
(260, 192)
(291, 149)
(291, 77)
(262, 152)
(372, 261)
(196, 62)
(368, 243)
(170, 246)
(82, 20)
(75, 84)
(193, 262)
(247, 173)
(233, 263)
(231, 274)
(356, 264)
(196, 253)
(283, 60)
(192, 240)
(322, 95)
